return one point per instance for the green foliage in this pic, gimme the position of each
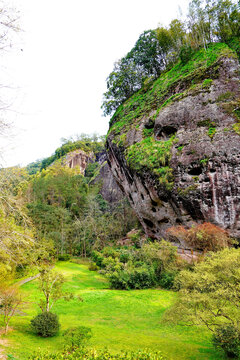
(211, 132)
(157, 50)
(142, 102)
(87, 143)
(227, 338)
(225, 96)
(77, 336)
(150, 265)
(133, 278)
(45, 324)
(152, 155)
(93, 267)
(18, 248)
(209, 294)
(64, 257)
(236, 128)
(51, 286)
(167, 279)
(186, 54)
(207, 83)
(90, 354)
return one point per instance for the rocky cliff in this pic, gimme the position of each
(108, 187)
(174, 147)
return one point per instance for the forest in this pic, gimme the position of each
(80, 277)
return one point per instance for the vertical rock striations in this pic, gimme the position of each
(174, 148)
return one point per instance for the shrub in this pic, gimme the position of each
(75, 337)
(135, 278)
(108, 251)
(111, 264)
(90, 354)
(93, 267)
(124, 256)
(227, 338)
(45, 324)
(205, 237)
(186, 53)
(97, 257)
(64, 257)
(167, 279)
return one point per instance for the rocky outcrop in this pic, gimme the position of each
(78, 158)
(175, 148)
(108, 186)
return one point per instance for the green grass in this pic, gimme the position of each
(119, 319)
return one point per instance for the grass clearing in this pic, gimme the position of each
(119, 319)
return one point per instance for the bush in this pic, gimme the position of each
(97, 257)
(64, 257)
(83, 353)
(205, 237)
(186, 53)
(227, 338)
(75, 337)
(167, 279)
(93, 267)
(135, 278)
(45, 324)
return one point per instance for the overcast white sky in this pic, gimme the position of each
(60, 63)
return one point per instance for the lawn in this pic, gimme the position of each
(119, 319)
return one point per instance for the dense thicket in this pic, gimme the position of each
(70, 212)
(158, 50)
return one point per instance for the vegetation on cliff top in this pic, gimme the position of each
(158, 50)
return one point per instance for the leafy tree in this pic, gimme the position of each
(10, 303)
(51, 285)
(210, 295)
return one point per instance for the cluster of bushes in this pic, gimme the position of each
(203, 237)
(90, 354)
(155, 264)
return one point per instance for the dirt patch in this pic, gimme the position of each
(3, 345)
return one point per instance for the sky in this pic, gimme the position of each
(55, 73)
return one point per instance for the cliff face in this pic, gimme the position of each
(78, 158)
(108, 187)
(175, 147)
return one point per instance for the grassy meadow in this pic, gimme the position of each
(119, 319)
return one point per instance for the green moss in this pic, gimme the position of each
(204, 161)
(236, 128)
(207, 83)
(206, 123)
(187, 190)
(147, 132)
(211, 132)
(225, 96)
(152, 155)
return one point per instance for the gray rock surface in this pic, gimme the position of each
(205, 159)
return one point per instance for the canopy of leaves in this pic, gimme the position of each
(157, 50)
(210, 295)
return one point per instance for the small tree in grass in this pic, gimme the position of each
(10, 303)
(210, 296)
(51, 284)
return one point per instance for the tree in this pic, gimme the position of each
(10, 303)
(51, 285)
(210, 295)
